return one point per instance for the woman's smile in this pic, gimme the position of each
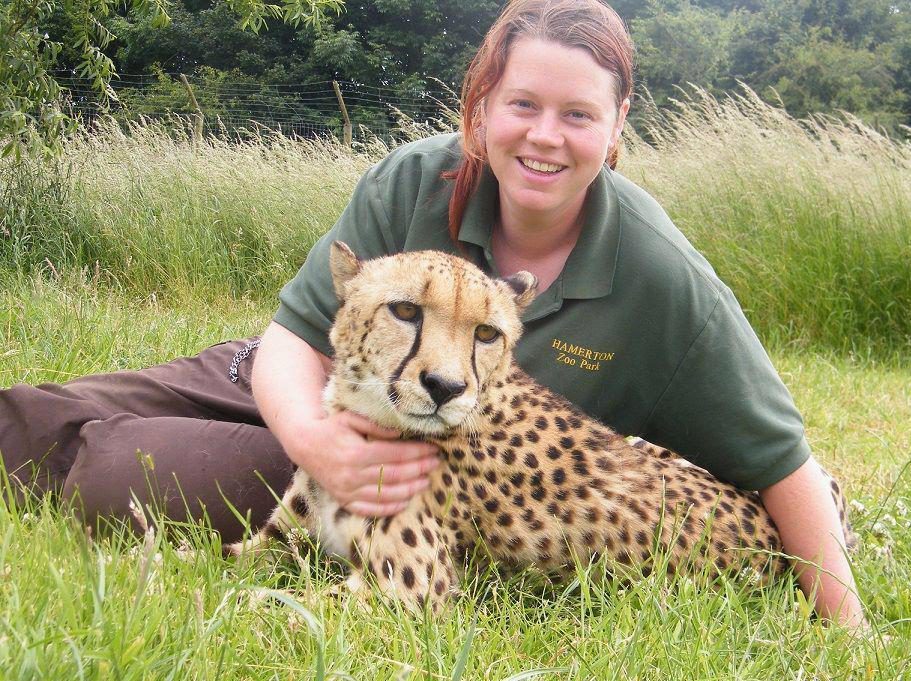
(541, 166)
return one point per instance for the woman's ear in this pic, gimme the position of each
(618, 124)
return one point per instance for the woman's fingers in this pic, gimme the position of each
(384, 494)
(397, 452)
(395, 473)
(372, 509)
(367, 428)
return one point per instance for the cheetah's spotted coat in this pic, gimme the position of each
(525, 471)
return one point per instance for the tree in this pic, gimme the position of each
(813, 55)
(685, 44)
(819, 55)
(32, 119)
(396, 49)
(29, 97)
(824, 74)
(382, 42)
(825, 55)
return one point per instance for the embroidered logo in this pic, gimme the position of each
(580, 356)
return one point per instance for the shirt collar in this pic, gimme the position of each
(591, 265)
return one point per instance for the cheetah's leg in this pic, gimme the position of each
(654, 450)
(407, 558)
(292, 513)
(841, 505)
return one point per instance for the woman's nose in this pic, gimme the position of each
(545, 131)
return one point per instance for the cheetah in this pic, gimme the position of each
(423, 343)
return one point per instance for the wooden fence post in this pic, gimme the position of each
(200, 118)
(346, 128)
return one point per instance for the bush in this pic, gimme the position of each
(809, 222)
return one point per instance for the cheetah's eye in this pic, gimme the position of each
(486, 333)
(407, 312)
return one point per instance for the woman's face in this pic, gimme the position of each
(550, 122)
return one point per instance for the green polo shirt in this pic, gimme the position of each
(637, 330)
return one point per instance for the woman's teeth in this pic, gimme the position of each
(540, 167)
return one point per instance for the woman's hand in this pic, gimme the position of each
(364, 467)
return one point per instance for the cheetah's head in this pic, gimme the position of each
(419, 336)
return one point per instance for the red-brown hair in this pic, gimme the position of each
(587, 24)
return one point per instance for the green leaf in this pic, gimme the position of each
(465, 651)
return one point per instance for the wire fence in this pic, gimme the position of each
(233, 106)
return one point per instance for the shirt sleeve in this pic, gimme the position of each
(308, 302)
(726, 409)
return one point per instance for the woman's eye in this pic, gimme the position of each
(522, 104)
(407, 312)
(579, 115)
(486, 333)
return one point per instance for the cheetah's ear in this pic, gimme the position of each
(344, 265)
(524, 286)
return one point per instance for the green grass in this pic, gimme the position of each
(136, 249)
(78, 606)
(808, 222)
(154, 214)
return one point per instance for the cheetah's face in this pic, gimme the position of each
(419, 335)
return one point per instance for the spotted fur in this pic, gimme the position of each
(535, 479)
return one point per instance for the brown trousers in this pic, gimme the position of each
(179, 435)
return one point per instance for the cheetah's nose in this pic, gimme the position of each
(440, 389)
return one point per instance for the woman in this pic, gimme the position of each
(632, 324)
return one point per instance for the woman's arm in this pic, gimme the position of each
(362, 466)
(803, 510)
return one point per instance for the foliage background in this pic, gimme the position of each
(812, 56)
(142, 242)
